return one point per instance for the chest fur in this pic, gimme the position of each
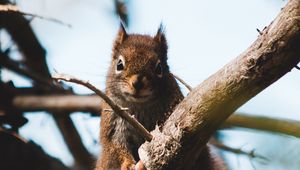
(124, 134)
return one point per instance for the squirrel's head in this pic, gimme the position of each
(139, 67)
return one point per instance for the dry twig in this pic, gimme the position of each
(239, 151)
(183, 82)
(117, 109)
(15, 9)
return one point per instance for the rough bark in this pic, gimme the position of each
(179, 142)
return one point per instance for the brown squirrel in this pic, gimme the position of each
(138, 79)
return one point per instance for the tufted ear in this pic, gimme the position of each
(161, 39)
(160, 35)
(122, 35)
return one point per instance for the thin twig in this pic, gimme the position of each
(183, 82)
(123, 113)
(239, 151)
(14, 8)
(260, 33)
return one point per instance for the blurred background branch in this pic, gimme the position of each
(91, 104)
(122, 11)
(283, 126)
(36, 68)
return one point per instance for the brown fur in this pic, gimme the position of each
(139, 86)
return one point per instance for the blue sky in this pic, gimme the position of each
(202, 35)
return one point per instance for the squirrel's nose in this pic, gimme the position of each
(138, 84)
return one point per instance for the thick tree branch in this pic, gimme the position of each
(117, 109)
(188, 129)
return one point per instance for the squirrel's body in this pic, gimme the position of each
(138, 79)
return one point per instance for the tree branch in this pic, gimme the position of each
(284, 126)
(117, 109)
(13, 66)
(238, 151)
(207, 106)
(15, 9)
(91, 103)
(33, 52)
(183, 82)
(64, 103)
(34, 59)
(72, 138)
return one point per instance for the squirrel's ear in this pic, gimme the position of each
(161, 39)
(160, 35)
(122, 35)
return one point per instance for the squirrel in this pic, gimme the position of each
(138, 79)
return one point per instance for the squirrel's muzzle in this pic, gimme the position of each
(139, 86)
(137, 82)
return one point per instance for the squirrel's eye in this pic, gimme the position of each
(158, 69)
(120, 64)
